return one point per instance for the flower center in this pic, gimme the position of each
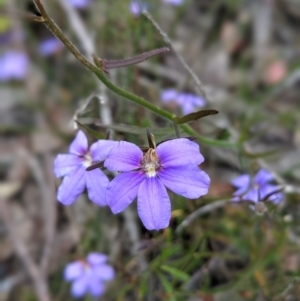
(87, 268)
(87, 160)
(150, 163)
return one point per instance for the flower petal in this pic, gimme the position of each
(96, 184)
(100, 149)
(187, 108)
(263, 176)
(72, 186)
(73, 271)
(179, 152)
(188, 182)
(80, 286)
(123, 189)
(79, 145)
(104, 272)
(199, 101)
(96, 258)
(252, 194)
(95, 287)
(242, 181)
(168, 95)
(266, 189)
(125, 156)
(65, 163)
(186, 101)
(154, 206)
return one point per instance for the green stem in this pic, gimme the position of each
(51, 25)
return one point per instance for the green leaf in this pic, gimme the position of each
(167, 286)
(176, 273)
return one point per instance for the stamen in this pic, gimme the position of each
(150, 163)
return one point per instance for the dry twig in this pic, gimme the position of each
(200, 86)
(38, 278)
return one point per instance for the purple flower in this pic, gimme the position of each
(173, 2)
(50, 46)
(173, 164)
(13, 65)
(257, 189)
(79, 3)
(73, 166)
(136, 8)
(169, 95)
(88, 276)
(187, 101)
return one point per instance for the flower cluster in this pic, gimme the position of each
(89, 275)
(257, 190)
(187, 101)
(172, 164)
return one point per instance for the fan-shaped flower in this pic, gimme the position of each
(172, 164)
(257, 189)
(50, 46)
(73, 166)
(89, 275)
(13, 65)
(187, 101)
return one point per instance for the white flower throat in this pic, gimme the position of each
(150, 163)
(87, 160)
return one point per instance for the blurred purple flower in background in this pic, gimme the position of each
(136, 8)
(89, 276)
(187, 101)
(13, 65)
(73, 166)
(173, 164)
(79, 3)
(173, 2)
(257, 189)
(50, 46)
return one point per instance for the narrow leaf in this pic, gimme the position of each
(262, 154)
(176, 273)
(167, 286)
(195, 116)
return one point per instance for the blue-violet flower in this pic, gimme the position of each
(172, 164)
(173, 2)
(73, 166)
(136, 8)
(89, 276)
(80, 3)
(13, 65)
(50, 46)
(257, 189)
(187, 101)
